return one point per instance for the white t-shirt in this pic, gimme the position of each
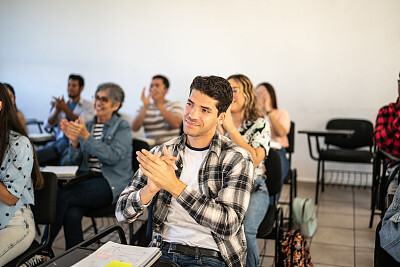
(180, 227)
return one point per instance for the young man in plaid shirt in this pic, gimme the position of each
(198, 184)
(387, 126)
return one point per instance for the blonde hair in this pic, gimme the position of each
(251, 108)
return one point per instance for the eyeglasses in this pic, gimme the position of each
(102, 99)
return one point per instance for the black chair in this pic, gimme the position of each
(291, 177)
(345, 150)
(36, 122)
(271, 226)
(109, 210)
(44, 212)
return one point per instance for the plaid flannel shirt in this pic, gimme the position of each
(387, 128)
(225, 182)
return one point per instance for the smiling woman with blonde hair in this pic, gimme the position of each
(246, 127)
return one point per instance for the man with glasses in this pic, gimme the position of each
(160, 118)
(52, 153)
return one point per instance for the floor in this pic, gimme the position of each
(342, 237)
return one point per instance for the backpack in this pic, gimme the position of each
(304, 215)
(293, 250)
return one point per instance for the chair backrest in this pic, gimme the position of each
(137, 145)
(44, 209)
(362, 136)
(290, 136)
(273, 172)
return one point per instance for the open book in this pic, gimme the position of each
(62, 172)
(126, 255)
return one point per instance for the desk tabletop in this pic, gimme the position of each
(327, 132)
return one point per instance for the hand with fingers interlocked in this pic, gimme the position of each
(160, 171)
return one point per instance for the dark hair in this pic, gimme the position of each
(7, 85)
(215, 87)
(9, 121)
(271, 92)
(163, 78)
(78, 78)
(251, 108)
(114, 91)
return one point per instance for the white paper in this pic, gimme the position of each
(62, 171)
(111, 251)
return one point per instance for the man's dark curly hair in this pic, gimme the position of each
(215, 87)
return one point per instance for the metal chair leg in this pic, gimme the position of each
(317, 185)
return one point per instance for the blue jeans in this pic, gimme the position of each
(285, 170)
(53, 152)
(186, 261)
(73, 203)
(258, 206)
(390, 232)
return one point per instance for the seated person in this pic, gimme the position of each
(279, 121)
(19, 113)
(19, 175)
(199, 206)
(387, 126)
(160, 118)
(53, 152)
(389, 235)
(246, 126)
(103, 150)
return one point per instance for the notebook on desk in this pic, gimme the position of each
(127, 255)
(62, 172)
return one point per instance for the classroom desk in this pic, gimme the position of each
(81, 251)
(316, 134)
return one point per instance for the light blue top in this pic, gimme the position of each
(114, 151)
(15, 175)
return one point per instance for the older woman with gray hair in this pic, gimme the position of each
(103, 151)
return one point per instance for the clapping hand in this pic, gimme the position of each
(74, 130)
(160, 170)
(145, 99)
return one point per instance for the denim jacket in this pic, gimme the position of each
(390, 232)
(114, 151)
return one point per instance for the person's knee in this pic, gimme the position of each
(73, 217)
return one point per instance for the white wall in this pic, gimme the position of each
(326, 58)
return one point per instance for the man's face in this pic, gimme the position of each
(201, 115)
(158, 89)
(74, 89)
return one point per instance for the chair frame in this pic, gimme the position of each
(291, 177)
(321, 162)
(44, 212)
(274, 185)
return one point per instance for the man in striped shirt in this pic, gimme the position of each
(161, 118)
(198, 203)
